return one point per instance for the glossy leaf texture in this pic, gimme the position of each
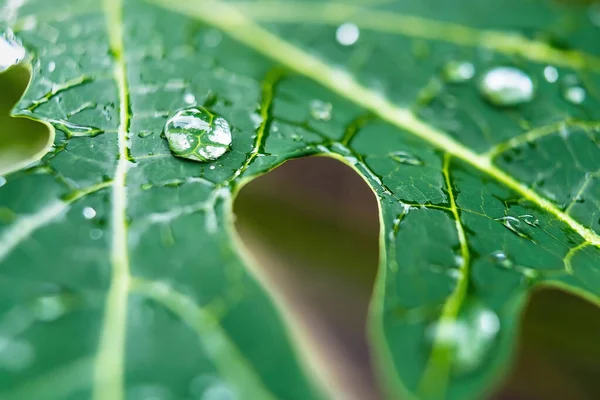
(121, 274)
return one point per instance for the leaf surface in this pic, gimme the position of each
(121, 274)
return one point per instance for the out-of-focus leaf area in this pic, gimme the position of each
(296, 199)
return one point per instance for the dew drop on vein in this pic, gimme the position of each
(12, 51)
(470, 337)
(458, 71)
(197, 134)
(347, 34)
(506, 86)
(320, 110)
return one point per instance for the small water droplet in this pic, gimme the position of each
(198, 134)
(212, 167)
(15, 354)
(594, 14)
(572, 90)
(404, 157)
(95, 234)
(320, 110)
(501, 258)
(458, 71)
(89, 213)
(2, 181)
(146, 186)
(12, 51)
(189, 98)
(529, 219)
(506, 86)
(470, 337)
(347, 34)
(515, 225)
(50, 308)
(212, 38)
(145, 134)
(51, 66)
(551, 74)
(256, 119)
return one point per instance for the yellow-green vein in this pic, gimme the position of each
(109, 367)
(509, 43)
(538, 133)
(217, 345)
(435, 378)
(268, 87)
(238, 26)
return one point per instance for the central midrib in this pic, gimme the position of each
(109, 367)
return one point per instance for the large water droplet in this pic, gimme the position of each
(320, 110)
(458, 71)
(572, 90)
(404, 157)
(506, 86)
(347, 34)
(198, 134)
(11, 50)
(469, 337)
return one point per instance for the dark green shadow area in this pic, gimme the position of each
(559, 350)
(22, 140)
(312, 224)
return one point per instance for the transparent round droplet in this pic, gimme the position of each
(347, 34)
(574, 94)
(50, 308)
(198, 134)
(594, 13)
(404, 157)
(506, 86)
(320, 110)
(469, 337)
(12, 51)
(144, 134)
(500, 258)
(189, 98)
(96, 234)
(458, 71)
(550, 74)
(89, 213)
(15, 354)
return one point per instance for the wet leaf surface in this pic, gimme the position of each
(122, 276)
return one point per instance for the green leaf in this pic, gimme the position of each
(122, 275)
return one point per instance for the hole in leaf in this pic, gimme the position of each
(312, 224)
(558, 350)
(22, 140)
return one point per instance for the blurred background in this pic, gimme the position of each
(312, 224)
